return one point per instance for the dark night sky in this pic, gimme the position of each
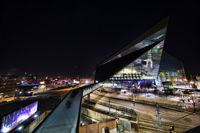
(65, 37)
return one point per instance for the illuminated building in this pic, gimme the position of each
(138, 62)
(172, 71)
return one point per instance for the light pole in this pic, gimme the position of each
(133, 100)
(109, 104)
(158, 114)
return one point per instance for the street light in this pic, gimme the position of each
(171, 129)
(191, 82)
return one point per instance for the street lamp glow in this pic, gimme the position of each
(191, 82)
(42, 82)
(86, 82)
(19, 128)
(35, 116)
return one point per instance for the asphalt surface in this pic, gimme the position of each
(184, 120)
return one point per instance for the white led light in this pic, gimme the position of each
(19, 128)
(35, 116)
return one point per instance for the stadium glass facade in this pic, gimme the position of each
(142, 56)
(145, 67)
(172, 72)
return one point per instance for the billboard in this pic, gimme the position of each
(12, 120)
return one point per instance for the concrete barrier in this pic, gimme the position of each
(98, 127)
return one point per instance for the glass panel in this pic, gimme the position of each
(172, 72)
(64, 119)
(145, 67)
(160, 35)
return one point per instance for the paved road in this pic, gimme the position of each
(46, 93)
(185, 119)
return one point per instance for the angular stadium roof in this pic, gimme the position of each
(132, 51)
